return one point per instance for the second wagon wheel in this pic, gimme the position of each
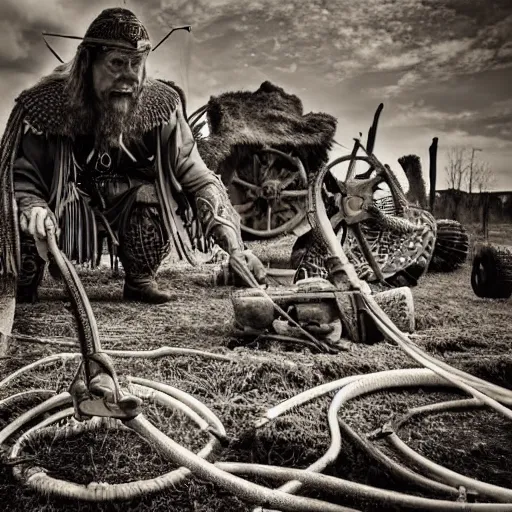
(271, 196)
(381, 246)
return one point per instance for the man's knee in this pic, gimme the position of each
(143, 243)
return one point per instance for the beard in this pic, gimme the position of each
(115, 115)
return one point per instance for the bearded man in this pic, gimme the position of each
(98, 144)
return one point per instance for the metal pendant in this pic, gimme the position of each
(103, 162)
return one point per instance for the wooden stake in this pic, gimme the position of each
(372, 132)
(432, 150)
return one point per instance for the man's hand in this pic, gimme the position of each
(36, 221)
(245, 262)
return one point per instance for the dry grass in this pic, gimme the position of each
(470, 333)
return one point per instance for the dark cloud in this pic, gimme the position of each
(20, 32)
(441, 67)
(23, 21)
(23, 54)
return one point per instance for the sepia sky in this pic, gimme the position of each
(441, 67)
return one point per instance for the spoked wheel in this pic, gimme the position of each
(361, 187)
(271, 196)
(380, 239)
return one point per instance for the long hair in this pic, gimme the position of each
(78, 89)
(79, 86)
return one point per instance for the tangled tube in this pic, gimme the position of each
(435, 373)
(377, 382)
(223, 473)
(37, 478)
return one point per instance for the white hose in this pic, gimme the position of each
(452, 477)
(368, 384)
(26, 394)
(143, 354)
(242, 488)
(340, 487)
(36, 477)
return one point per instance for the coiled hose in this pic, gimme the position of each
(435, 373)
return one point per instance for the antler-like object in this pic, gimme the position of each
(188, 28)
(357, 203)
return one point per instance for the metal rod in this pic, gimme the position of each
(61, 35)
(55, 54)
(185, 27)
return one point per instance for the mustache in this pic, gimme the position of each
(125, 87)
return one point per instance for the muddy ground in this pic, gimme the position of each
(451, 323)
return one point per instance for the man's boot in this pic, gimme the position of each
(144, 289)
(31, 271)
(143, 246)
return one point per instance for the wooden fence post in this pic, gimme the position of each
(485, 215)
(432, 150)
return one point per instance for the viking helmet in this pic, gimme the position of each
(115, 28)
(118, 28)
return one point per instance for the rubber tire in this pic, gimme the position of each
(491, 275)
(452, 246)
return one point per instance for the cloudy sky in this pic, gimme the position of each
(441, 67)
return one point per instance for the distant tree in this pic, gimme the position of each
(465, 172)
(457, 166)
(483, 176)
(483, 179)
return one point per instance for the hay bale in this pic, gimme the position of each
(417, 193)
(452, 246)
(491, 275)
(242, 123)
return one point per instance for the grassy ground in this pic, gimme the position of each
(452, 323)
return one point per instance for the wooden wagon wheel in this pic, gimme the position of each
(358, 194)
(270, 198)
(412, 240)
(411, 243)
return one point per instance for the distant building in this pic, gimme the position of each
(465, 207)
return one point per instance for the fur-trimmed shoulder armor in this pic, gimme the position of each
(45, 109)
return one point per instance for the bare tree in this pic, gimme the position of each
(463, 170)
(457, 166)
(483, 179)
(483, 176)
